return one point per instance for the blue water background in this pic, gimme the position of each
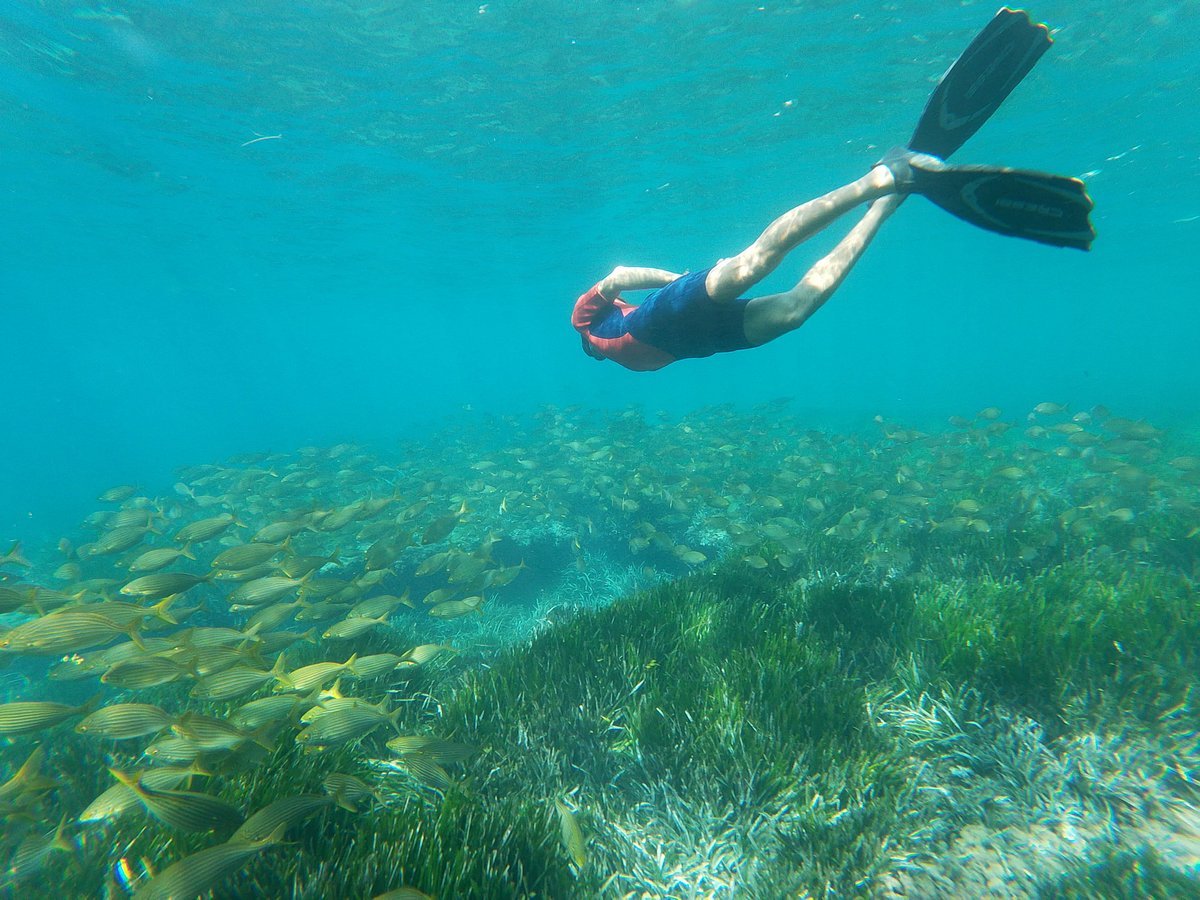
(451, 176)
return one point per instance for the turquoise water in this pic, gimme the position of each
(905, 599)
(448, 179)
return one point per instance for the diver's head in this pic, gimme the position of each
(590, 349)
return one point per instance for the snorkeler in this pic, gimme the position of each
(701, 313)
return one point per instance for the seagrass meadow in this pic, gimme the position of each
(621, 655)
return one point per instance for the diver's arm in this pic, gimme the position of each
(624, 278)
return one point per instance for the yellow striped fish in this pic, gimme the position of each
(26, 716)
(572, 834)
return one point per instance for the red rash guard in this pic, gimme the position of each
(606, 335)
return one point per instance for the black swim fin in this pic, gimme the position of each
(1050, 209)
(977, 83)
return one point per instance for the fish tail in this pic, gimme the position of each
(135, 635)
(60, 839)
(275, 837)
(262, 737)
(340, 800)
(129, 779)
(15, 557)
(282, 678)
(252, 631)
(162, 610)
(32, 766)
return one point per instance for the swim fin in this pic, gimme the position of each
(977, 83)
(1049, 209)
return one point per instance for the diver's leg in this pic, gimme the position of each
(732, 277)
(770, 316)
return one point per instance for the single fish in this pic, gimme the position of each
(246, 556)
(505, 575)
(270, 617)
(466, 567)
(33, 853)
(181, 810)
(300, 566)
(26, 716)
(205, 529)
(264, 590)
(1050, 409)
(118, 494)
(206, 638)
(352, 627)
(572, 834)
(213, 734)
(153, 560)
(434, 563)
(163, 584)
(118, 540)
(63, 631)
(427, 771)
(374, 665)
(122, 721)
(281, 814)
(235, 681)
(316, 675)
(196, 875)
(172, 749)
(424, 653)
(344, 725)
(268, 710)
(144, 672)
(439, 596)
(278, 531)
(119, 798)
(347, 791)
(378, 605)
(439, 529)
(385, 551)
(453, 609)
(442, 752)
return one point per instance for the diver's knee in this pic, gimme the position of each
(799, 303)
(732, 277)
(815, 286)
(725, 280)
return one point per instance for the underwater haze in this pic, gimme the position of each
(448, 178)
(331, 567)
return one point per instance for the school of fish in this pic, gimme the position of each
(172, 617)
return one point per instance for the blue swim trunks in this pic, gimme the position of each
(682, 320)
